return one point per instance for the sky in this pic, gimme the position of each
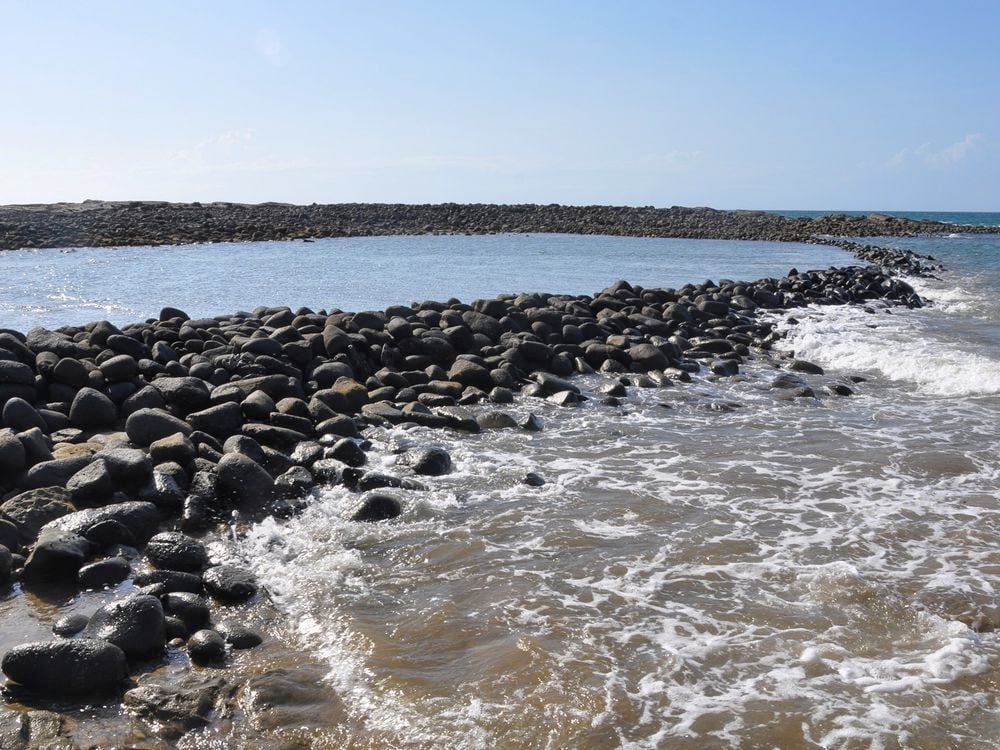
(761, 105)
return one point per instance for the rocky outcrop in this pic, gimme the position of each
(100, 223)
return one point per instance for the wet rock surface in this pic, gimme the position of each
(69, 667)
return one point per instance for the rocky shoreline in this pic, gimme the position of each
(103, 224)
(125, 451)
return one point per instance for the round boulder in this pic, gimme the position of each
(377, 506)
(102, 573)
(92, 410)
(189, 608)
(244, 481)
(19, 416)
(428, 461)
(133, 624)
(229, 583)
(175, 551)
(72, 667)
(146, 426)
(206, 647)
(239, 636)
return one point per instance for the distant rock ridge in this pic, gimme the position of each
(103, 224)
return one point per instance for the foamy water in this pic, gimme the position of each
(800, 573)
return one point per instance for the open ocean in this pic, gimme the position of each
(806, 573)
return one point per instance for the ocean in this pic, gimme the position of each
(712, 565)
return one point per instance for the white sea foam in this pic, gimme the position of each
(897, 346)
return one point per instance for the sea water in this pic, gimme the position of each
(711, 565)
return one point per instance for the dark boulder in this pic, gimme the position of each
(128, 345)
(92, 484)
(377, 506)
(146, 426)
(188, 607)
(565, 398)
(295, 482)
(238, 635)
(647, 357)
(146, 397)
(13, 372)
(141, 519)
(6, 565)
(496, 420)
(31, 510)
(102, 573)
(164, 491)
(70, 624)
(13, 459)
(109, 533)
(177, 448)
(54, 473)
(119, 368)
(800, 365)
(551, 384)
(531, 423)
(243, 481)
(373, 480)
(176, 551)
(725, 367)
(129, 467)
(20, 416)
(247, 446)
(66, 667)
(55, 556)
(36, 446)
(533, 480)
(92, 410)
(133, 624)
(279, 438)
(345, 396)
(187, 394)
(428, 461)
(219, 421)
(328, 471)
(347, 451)
(206, 647)
(470, 374)
(458, 418)
(339, 424)
(229, 583)
(169, 580)
(169, 313)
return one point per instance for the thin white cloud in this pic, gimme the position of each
(923, 154)
(270, 46)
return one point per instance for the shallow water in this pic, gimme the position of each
(54, 287)
(712, 565)
(796, 574)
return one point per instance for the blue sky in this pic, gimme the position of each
(875, 105)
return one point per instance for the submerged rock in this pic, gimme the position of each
(238, 635)
(378, 506)
(182, 705)
(428, 461)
